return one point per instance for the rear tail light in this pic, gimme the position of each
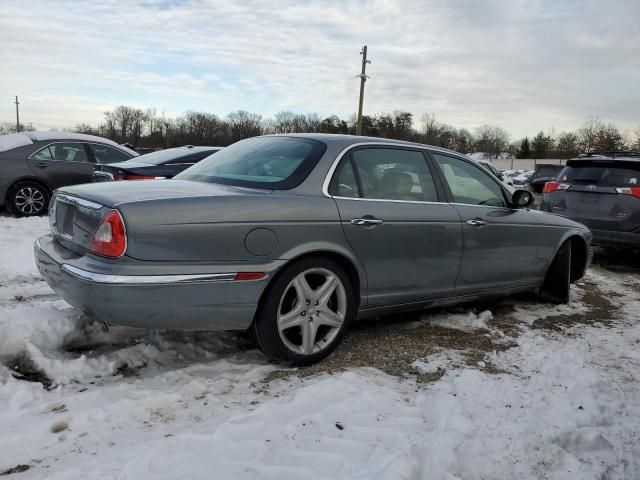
(110, 238)
(553, 186)
(635, 191)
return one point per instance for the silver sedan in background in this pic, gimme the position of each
(294, 236)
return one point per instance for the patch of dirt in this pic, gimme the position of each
(16, 469)
(601, 310)
(392, 344)
(60, 426)
(23, 368)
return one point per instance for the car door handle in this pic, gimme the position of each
(366, 221)
(476, 223)
(41, 165)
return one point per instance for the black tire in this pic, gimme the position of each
(28, 199)
(557, 282)
(265, 330)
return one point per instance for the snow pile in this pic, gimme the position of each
(138, 405)
(13, 140)
(469, 321)
(441, 361)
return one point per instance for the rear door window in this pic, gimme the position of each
(63, 152)
(386, 174)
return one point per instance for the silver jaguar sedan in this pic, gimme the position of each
(294, 236)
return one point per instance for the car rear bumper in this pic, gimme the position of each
(611, 238)
(199, 301)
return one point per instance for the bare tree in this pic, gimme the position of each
(491, 140)
(243, 124)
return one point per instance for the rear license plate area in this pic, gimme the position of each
(65, 216)
(589, 199)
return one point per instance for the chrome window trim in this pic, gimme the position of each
(389, 200)
(176, 279)
(84, 142)
(343, 152)
(63, 197)
(505, 207)
(30, 157)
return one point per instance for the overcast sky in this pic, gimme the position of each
(523, 65)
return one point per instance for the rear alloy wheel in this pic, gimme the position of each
(557, 282)
(27, 199)
(307, 310)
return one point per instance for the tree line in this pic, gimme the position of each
(148, 128)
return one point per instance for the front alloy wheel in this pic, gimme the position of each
(306, 312)
(27, 199)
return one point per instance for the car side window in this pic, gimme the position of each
(394, 174)
(469, 183)
(346, 184)
(106, 154)
(43, 154)
(67, 152)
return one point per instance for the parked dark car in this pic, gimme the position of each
(292, 236)
(33, 164)
(542, 174)
(604, 194)
(153, 166)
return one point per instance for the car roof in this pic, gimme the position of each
(193, 148)
(625, 157)
(15, 140)
(347, 140)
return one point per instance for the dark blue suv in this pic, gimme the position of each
(602, 192)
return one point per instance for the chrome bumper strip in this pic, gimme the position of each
(147, 279)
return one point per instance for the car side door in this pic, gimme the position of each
(62, 163)
(397, 221)
(500, 246)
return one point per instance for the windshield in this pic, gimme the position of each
(274, 163)
(602, 175)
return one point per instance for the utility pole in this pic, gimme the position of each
(363, 78)
(17, 115)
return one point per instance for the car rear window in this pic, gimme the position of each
(602, 174)
(547, 170)
(274, 163)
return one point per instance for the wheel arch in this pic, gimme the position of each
(579, 254)
(350, 265)
(579, 257)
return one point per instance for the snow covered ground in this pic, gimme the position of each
(560, 398)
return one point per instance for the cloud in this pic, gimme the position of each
(525, 65)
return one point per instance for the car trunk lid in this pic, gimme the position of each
(76, 212)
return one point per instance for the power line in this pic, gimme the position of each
(363, 78)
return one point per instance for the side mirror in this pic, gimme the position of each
(522, 198)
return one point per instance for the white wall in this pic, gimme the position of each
(523, 163)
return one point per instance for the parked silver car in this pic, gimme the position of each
(293, 236)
